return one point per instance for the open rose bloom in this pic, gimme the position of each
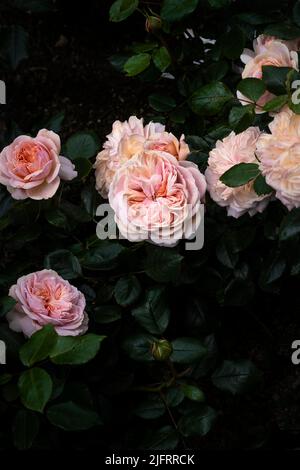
(46, 298)
(31, 167)
(157, 198)
(267, 51)
(229, 152)
(279, 154)
(129, 138)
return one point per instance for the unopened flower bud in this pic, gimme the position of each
(153, 23)
(161, 350)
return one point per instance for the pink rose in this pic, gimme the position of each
(230, 151)
(31, 166)
(129, 138)
(279, 154)
(267, 51)
(156, 197)
(46, 298)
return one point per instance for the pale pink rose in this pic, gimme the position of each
(279, 154)
(31, 166)
(46, 298)
(157, 198)
(230, 151)
(267, 51)
(127, 139)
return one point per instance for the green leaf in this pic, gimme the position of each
(103, 256)
(276, 103)
(75, 212)
(241, 117)
(72, 417)
(153, 313)
(163, 264)
(6, 305)
(193, 393)
(14, 45)
(121, 9)
(39, 346)
(166, 438)
(55, 122)
(34, 6)
(138, 347)
(240, 174)
(161, 58)
(35, 387)
(233, 43)
(236, 377)
(252, 88)
(107, 313)
(296, 13)
(210, 99)
(283, 31)
(57, 218)
(260, 186)
(290, 225)
(175, 10)
(151, 407)
(273, 269)
(82, 145)
(161, 103)
(219, 3)
(76, 349)
(25, 429)
(64, 262)
(187, 350)
(275, 78)
(198, 423)
(127, 290)
(83, 167)
(137, 64)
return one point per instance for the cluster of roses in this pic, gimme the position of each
(154, 191)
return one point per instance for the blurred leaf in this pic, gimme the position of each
(6, 305)
(193, 393)
(241, 117)
(14, 43)
(127, 290)
(103, 256)
(64, 262)
(35, 386)
(283, 31)
(55, 122)
(166, 438)
(107, 313)
(153, 313)
(121, 9)
(290, 225)
(210, 99)
(161, 103)
(175, 10)
(82, 145)
(163, 264)
(151, 407)
(236, 377)
(138, 347)
(233, 42)
(198, 423)
(187, 350)
(72, 417)
(25, 429)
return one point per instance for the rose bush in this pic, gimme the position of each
(139, 342)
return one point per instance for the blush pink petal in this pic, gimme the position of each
(67, 170)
